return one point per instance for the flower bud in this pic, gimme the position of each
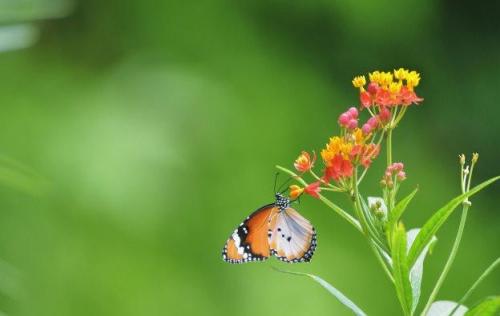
(398, 166)
(383, 183)
(353, 112)
(385, 115)
(401, 176)
(390, 184)
(379, 213)
(365, 99)
(344, 119)
(461, 158)
(295, 191)
(353, 123)
(367, 129)
(373, 88)
(475, 157)
(373, 122)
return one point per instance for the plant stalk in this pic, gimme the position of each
(450, 260)
(473, 287)
(364, 224)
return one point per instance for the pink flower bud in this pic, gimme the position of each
(353, 123)
(385, 115)
(373, 88)
(344, 119)
(401, 176)
(373, 122)
(353, 112)
(399, 166)
(367, 129)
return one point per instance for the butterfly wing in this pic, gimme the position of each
(292, 238)
(249, 242)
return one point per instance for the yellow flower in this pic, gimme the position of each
(386, 79)
(375, 76)
(336, 146)
(412, 79)
(359, 82)
(295, 191)
(400, 74)
(395, 87)
(359, 139)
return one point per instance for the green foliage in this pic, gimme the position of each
(397, 212)
(332, 290)
(400, 269)
(417, 270)
(489, 307)
(438, 218)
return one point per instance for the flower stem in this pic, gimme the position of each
(389, 147)
(328, 203)
(366, 169)
(479, 280)
(450, 260)
(364, 224)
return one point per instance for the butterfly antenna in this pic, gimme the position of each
(281, 190)
(276, 180)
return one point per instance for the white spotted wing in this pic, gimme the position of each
(292, 238)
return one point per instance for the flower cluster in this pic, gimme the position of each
(343, 153)
(386, 92)
(387, 89)
(393, 174)
(386, 98)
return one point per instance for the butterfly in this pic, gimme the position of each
(274, 229)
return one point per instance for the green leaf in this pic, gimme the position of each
(489, 307)
(341, 297)
(416, 272)
(444, 308)
(439, 218)
(396, 213)
(400, 269)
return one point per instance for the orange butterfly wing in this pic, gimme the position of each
(250, 242)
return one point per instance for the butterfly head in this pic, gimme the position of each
(282, 202)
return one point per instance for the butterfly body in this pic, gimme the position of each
(275, 229)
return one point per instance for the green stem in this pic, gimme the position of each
(364, 224)
(450, 260)
(328, 203)
(389, 147)
(325, 183)
(479, 280)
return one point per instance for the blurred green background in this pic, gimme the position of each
(135, 136)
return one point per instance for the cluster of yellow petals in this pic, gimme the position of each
(337, 145)
(343, 145)
(393, 81)
(359, 82)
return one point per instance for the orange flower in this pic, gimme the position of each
(304, 163)
(295, 191)
(313, 189)
(338, 168)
